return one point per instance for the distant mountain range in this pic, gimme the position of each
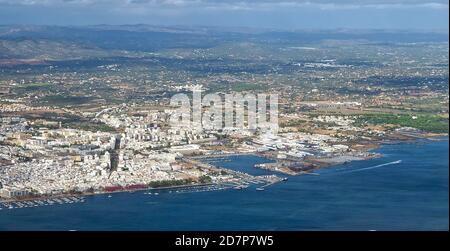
(74, 42)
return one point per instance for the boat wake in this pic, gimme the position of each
(373, 167)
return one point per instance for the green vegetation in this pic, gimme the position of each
(248, 87)
(34, 87)
(204, 179)
(293, 123)
(89, 126)
(169, 183)
(240, 87)
(429, 123)
(66, 100)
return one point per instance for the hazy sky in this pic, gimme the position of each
(288, 14)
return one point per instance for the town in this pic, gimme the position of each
(78, 124)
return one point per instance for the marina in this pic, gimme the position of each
(240, 180)
(346, 198)
(192, 189)
(40, 202)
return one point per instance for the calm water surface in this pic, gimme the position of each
(407, 189)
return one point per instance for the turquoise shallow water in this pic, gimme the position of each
(406, 189)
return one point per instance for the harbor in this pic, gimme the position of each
(237, 180)
(41, 202)
(292, 204)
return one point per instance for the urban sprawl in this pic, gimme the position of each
(79, 124)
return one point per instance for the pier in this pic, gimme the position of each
(40, 202)
(240, 180)
(222, 155)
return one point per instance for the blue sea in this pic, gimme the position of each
(406, 189)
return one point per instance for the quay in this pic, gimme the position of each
(27, 203)
(240, 180)
(222, 155)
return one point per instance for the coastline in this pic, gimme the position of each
(292, 204)
(310, 164)
(317, 163)
(392, 140)
(102, 192)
